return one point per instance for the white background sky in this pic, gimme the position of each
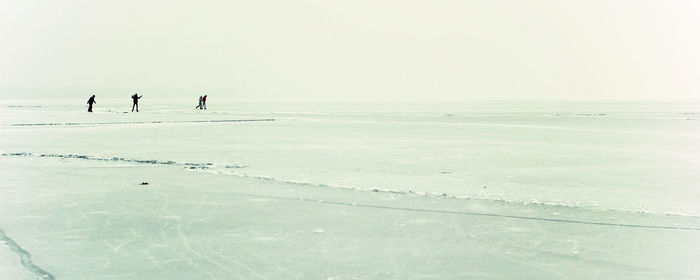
(352, 50)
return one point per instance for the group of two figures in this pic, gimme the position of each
(134, 97)
(202, 103)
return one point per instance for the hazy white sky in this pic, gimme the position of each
(344, 50)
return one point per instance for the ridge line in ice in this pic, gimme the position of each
(188, 165)
(225, 169)
(426, 194)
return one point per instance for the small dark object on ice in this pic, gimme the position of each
(144, 183)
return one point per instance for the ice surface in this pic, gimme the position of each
(351, 191)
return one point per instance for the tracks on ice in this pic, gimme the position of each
(25, 257)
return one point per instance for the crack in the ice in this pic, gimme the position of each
(188, 165)
(25, 257)
(469, 213)
(141, 122)
(272, 179)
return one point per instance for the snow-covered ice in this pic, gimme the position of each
(349, 191)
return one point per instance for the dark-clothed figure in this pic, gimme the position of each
(200, 103)
(90, 102)
(136, 98)
(204, 102)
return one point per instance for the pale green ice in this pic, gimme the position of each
(350, 191)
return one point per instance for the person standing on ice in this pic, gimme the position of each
(136, 98)
(200, 103)
(90, 102)
(204, 102)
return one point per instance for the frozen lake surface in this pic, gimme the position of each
(349, 191)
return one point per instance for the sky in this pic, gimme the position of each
(352, 50)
